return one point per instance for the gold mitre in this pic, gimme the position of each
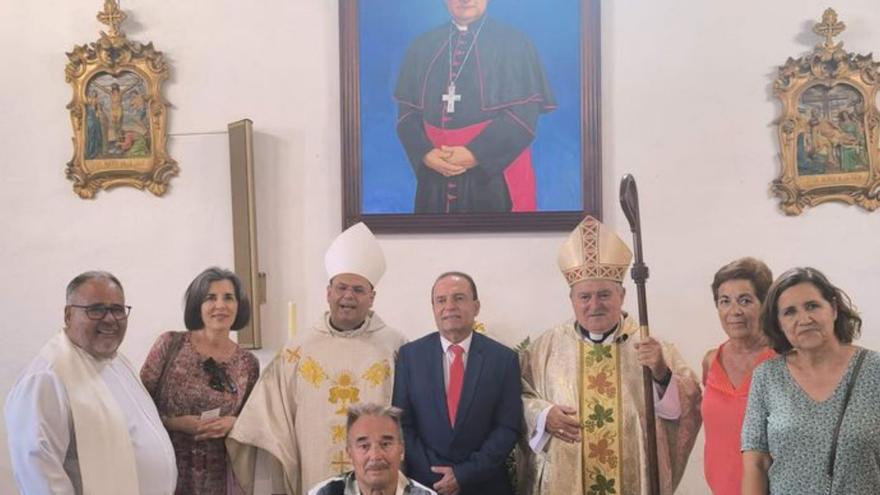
(593, 251)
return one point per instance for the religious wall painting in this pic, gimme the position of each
(831, 138)
(116, 117)
(387, 68)
(118, 113)
(829, 129)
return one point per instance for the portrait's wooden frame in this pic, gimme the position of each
(830, 125)
(590, 137)
(114, 143)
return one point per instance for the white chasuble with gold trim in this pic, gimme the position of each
(297, 411)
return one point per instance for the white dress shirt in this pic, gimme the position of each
(464, 344)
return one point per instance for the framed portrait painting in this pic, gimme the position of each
(470, 115)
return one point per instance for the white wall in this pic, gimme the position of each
(687, 108)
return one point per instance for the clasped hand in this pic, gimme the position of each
(450, 161)
(447, 485)
(202, 429)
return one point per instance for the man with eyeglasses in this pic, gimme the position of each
(78, 419)
(297, 410)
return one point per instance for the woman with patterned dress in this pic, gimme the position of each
(739, 289)
(812, 420)
(206, 383)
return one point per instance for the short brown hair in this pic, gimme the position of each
(847, 326)
(752, 269)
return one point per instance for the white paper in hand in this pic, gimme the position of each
(213, 413)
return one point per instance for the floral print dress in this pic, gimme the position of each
(195, 384)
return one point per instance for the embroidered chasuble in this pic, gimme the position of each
(297, 410)
(604, 381)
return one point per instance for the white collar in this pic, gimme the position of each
(402, 483)
(464, 344)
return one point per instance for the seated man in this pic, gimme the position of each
(78, 419)
(375, 445)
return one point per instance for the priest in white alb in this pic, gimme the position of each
(297, 410)
(583, 387)
(78, 419)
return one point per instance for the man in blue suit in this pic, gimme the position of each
(460, 394)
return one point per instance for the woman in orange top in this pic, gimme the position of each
(739, 289)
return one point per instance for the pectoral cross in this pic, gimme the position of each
(450, 98)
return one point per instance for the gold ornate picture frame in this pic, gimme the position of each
(829, 129)
(118, 112)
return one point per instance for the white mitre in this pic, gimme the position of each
(593, 251)
(356, 251)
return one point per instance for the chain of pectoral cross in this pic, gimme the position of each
(451, 96)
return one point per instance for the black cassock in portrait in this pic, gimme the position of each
(482, 88)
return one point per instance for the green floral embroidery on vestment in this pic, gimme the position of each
(598, 353)
(601, 415)
(602, 486)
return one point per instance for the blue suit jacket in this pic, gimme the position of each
(487, 424)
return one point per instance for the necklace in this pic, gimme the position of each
(451, 97)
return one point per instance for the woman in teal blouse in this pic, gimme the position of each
(796, 399)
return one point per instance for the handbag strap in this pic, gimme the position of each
(170, 355)
(849, 387)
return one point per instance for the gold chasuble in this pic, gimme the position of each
(604, 381)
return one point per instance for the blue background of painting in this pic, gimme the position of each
(386, 29)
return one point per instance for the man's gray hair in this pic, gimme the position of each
(376, 410)
(90, 275)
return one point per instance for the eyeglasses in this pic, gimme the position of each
(218, 379)
(99, 311)
(357, 290)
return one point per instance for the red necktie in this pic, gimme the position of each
(456, 378)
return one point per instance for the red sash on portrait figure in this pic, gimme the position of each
(519, 174)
